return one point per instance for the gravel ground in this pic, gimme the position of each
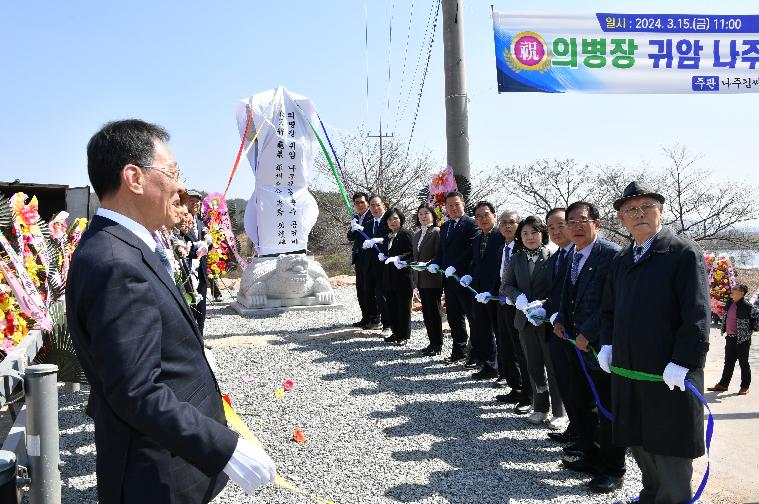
(382, 424)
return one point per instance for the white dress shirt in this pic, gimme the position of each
(135, 227)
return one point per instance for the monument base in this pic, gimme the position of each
(277, 310)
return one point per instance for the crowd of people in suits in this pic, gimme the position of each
(538, 314)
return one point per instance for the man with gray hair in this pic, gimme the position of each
(655, 319)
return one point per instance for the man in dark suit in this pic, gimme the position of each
(562, 352)
(198, 235)
(160, 431)
(579, 316)
(454, 257)
(486, 260)
(373, 269)
(360, 219)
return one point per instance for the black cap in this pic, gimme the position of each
(192, 193)
(637, 189)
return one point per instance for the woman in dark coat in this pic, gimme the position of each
(397, 282)
(429, 285)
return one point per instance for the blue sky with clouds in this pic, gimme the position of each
(71, 66)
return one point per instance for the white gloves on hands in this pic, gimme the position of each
(521, 303)
(367, 244)
(382, 257)
(532, 306)
(209, 238)
(465, 280)
(674, 376)
(536, 316)
(604, 358)
(482, 297)
(508, 301)
(201, 248)
(391, 260)
(553, 318)
(450, 270)
(355, 226)
(250, 466)
(400, 264)
(433, 268)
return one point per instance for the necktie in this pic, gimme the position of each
(559, 262)
(375, 232)
(576, 267)
(450, 227)
(638, 253)
(504, 270)
(164, 260)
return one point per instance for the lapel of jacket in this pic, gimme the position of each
(151, 259)
(425, 239)
(588, 270)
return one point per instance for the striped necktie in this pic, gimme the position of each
(576, 267)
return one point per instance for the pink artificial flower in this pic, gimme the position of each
(288, 385)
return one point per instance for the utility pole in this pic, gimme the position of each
(456, 116)
(380, 136)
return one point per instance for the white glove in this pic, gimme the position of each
(604, 358)
(382, 257)
(400, 264)
(465, 280)
(367, 244)
(355, 226)
(553, 318)
(521, 302)
(201, 248)
(433, 268)
(533, 306)
(450, 270)
(482, 297)
(508, 301)
(391, 260)
(536, 316)
(674, 376)
(209, 238)
(250, 466)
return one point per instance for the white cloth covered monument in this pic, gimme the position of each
(281, 211)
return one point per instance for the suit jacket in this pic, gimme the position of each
(357, 238)
(455, 248)
(394, 279)
(160, 431)
(583, 315)
(425, 254)
(535, 287)
(486, 270)
(368, 257)
(553, 303)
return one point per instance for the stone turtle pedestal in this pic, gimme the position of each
(272, 285)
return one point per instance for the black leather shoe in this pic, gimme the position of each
(454, 358)
(572, 449)
(510, 398)
(471, 364)
(370, 326)
(581, 464)
(605, 484)
(391, 339)
(500, 382)
(360, 323)
(401, 341)
(485, 374)
(523, 407)
(426, 349)
(561, 437)
(432, 352)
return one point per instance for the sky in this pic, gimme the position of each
(69, 67)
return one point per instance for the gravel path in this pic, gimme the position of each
(382, 424)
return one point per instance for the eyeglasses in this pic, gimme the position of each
(507, 223)
(643, 209)
(170, 175)
(573, 223)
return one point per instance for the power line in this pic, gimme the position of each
(366, 53)
(405, 52)
(389, 54)
(424, 78)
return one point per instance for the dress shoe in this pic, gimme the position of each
(581, 464)
(471, 364)
(537, 417)
(557, 423)
(432, 351)
(510, 398)
(523, 407)
(371, 326)
(386, 331)
(561, 437)
(500, 382)
(360, 323)
(401, 341)
(572, 450)
(717, 388)
(743, 391)
(425, 349)
(605, 484)
(454, 358)
(485, 373)
(391, 339)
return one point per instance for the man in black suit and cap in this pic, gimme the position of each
(655, 319)
(160, 431)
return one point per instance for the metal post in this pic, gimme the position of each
(41, 390)
(456, 115)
